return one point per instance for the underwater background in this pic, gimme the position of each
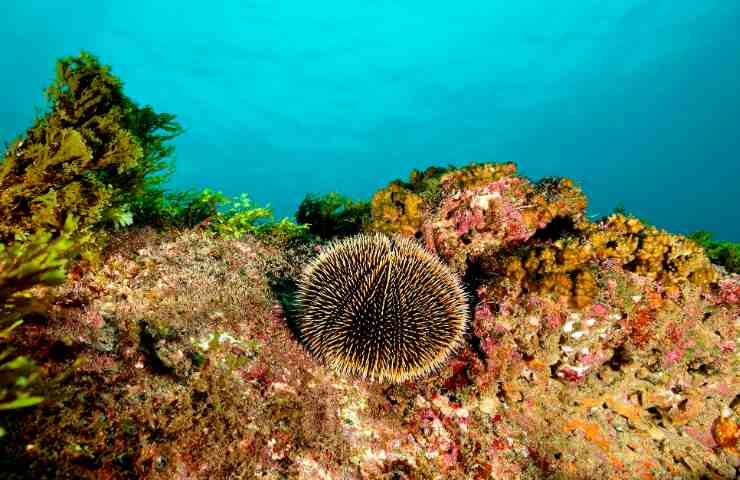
(635, 100)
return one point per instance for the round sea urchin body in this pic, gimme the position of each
(381, 308)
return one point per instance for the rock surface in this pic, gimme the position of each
(174, 359)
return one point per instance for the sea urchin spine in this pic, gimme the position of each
(380, 307)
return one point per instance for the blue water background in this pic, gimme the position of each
(638, 101)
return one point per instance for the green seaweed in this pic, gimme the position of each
(725, 254)
(94, 154)
(228, 217)
(234, 217)
(23, 266)
(333, 215)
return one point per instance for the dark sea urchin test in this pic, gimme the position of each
(381, 308)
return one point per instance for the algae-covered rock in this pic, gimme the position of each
(641, 381)
(532, 235)
(396, 209)
(204, 380)
(401, 207)
(478, 223)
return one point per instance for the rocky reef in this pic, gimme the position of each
(603, 348)
(174, 359)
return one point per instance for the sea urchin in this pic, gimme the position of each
(380, 307)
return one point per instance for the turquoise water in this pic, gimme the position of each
(637, 101)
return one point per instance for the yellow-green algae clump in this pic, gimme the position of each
(94, 154)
